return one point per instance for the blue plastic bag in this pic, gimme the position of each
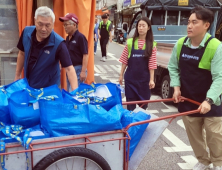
(38, 133)
(68, 98)
(135, 132)
(4, 112)
(16, 86)
(24, 106)
(84, 91)
(5, 93)
(22, 111)
(62, 119)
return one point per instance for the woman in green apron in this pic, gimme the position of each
(139, 61)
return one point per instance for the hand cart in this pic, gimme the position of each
(95, 151)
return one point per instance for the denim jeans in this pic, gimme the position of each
(78, 70)
(95, 46)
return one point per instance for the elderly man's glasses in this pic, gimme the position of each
(65, 25)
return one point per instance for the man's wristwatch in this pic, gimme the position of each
(209, 100)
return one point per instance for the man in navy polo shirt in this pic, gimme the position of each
(40, 50)
(77, 45)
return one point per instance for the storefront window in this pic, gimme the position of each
(158, 18)
(172, 17)
(184, 17)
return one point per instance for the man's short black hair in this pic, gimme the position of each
(203, 14)
(104, 16)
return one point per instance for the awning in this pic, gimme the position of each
(176, 8)
(102, 11)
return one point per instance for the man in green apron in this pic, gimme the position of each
(196, 73)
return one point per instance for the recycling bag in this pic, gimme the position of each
(24, 107)
(62, 119)
(5, 93)
(15, 86)
(135, 132)
(106, 95)
(4, 111)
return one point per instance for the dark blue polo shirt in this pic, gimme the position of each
(77, 46)
(62, 53)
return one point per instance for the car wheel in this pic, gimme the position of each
(166, 90)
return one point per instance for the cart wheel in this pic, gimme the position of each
(166, 90)
(73, 158)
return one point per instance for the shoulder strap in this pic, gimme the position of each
(180, 43)
(129, 46)
(100, 24)
(154, 44)
(107, 25)
(206, 43)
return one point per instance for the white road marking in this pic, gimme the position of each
(107, 67)
(96, 69)
(117, 69)
(180, 123)
(96, 74)
(112, 56)
(190, 162)
(179, 146)
(170, 109)
(153, 111)
(102, 70)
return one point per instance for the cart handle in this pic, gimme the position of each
(164, 117)
(160, 100)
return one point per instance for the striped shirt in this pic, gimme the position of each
(152, 61)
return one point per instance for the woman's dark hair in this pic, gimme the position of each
(149, 37)
(104, 16)
(203, 14)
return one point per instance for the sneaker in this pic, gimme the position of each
(217, 168)
(106, 57)
(200, 166)
(103, 59)
(95, 53)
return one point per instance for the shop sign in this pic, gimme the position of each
(126, 2)
(133, 2)
(139, 1)
(183, 2)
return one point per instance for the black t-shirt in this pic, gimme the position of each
(62, 53)
(77, 46)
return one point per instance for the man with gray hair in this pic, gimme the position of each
(41, 50)
(77, 45)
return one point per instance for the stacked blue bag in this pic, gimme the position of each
(5, 93)
(62, 119)
(24, 106)
(92, 114)
(19, 111)
(62, 113)
(84, 91)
